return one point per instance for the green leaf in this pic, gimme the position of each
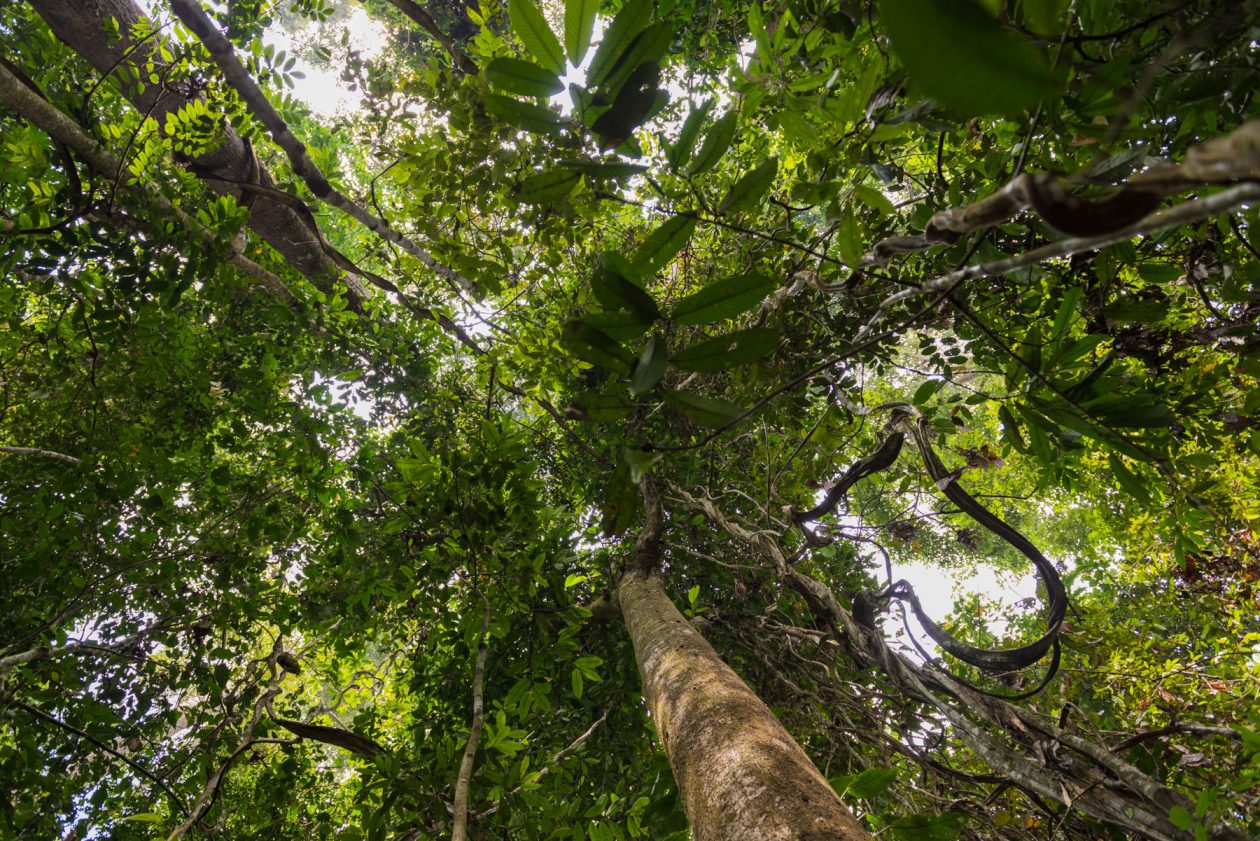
(579, 24)
(621, 501)
(680, 151)
(523, 115)
(635, 103)
(142, 817)
(616, 292)
(959, 55)
(1133, 311)
(523, 77)
(724, 299)
(650, 367)
(1067, 309)
(548, 186)
(706, 411)
(693, 594)
(622, 326)
(529, 23)
(573, 580)
(849, 239)
(596, 347)
(662, 244)
(1135, 411)
(748, 190)
(575, 680)
(927, 827)
(924, 392)
(727, 351)
(1180, 817)
(641, 462)
(601, 408)
(872, 782)
(874, 199)
(716, 141)
(1128, 481)
(605, 169)
(648, 47)
(625, 27)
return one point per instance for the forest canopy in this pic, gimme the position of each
(652, 419)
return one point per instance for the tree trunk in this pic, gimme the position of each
(740, 774)
(81, 25)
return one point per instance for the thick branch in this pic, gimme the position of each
(86, 27)
(1176, 216)
(416, 12)
(196, 19)
(59, 126)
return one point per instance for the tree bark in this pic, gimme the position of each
(741, 776)
(81, 25)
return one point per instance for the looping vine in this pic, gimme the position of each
(866, 605)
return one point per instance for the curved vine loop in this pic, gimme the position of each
(991, 660)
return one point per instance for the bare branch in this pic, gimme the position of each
(33, 451)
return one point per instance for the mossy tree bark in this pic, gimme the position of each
(739, 772)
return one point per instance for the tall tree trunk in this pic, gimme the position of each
(81, 25)
(740, 774)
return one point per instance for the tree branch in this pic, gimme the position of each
(416, 12)
(32, 451)
(221, 50)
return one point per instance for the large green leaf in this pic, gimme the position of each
(647, 48)
(523, 115)
(726, 298)
(706, 411)
(579, 24)
(523, 77)
(727, 351)
(625, 27)
(596, 347)
(617, 292)
(530, 25)
(601, 408)
(621, 500)
(622, 326)
(680, 151)
(663, 243)
(748, 190)
(605, 169)
(650, 367)
(548, 186)
(716, 141)
(958, 54)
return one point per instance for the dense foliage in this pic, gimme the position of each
(221, 508)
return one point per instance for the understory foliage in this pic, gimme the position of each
(220, 509)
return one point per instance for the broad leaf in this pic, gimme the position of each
(663, 243)
(579, 24)
(706, 411)
(530, 25)
(542, 187)
(625, 27)
(523, 115)
(958, 54)
(649, 367)
(605, 169)
(616, 292)
(726, 298)
(596, 347)
(601, 408)
(523, 77)
(747, 191)
(716, 141)
(680, 151)
(727, 351)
